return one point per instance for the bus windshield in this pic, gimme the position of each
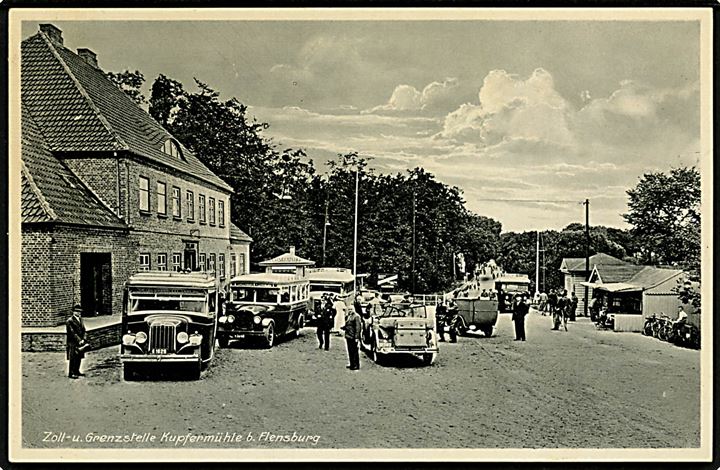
(334, 288)
(254, 294)
(168, 304)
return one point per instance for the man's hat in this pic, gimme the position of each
(77, 308)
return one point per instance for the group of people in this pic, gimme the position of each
(559, 305)
(447, 315)
(333, 316)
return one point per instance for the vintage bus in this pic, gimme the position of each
(169, 321)
(507, 287)
(264, 305)
(335, 281)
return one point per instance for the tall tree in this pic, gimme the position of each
(129, 82)
(664, 211)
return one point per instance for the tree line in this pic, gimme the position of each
(282, 200)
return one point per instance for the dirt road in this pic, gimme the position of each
(583, 388)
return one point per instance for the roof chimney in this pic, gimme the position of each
(292, 250)
(88, 56)
(52, 32)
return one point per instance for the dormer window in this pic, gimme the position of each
(171, 148)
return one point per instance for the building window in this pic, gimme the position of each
(162, 262)
(221, 264)
(144, 262)
(211, 210)
(176, 261)
(233, 264)
(221, 213)
(161, 198)
(144, 194)
(201, 261)
(176, 199)
(211, 263)
(241, 268)
(190, 198)
(172, 149)
(201, 207)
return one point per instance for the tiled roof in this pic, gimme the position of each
(237, 234)
(287, 259)
(617, 273)
(50, 191)
(79, 110)
(578, 264)
(651, 276)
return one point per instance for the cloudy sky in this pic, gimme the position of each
(509, 111)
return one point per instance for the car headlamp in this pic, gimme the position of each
(182, 337)
(257, 319)
(223, 319)
(141, 337)
(195, 339)
(128, 339)
(231, 318)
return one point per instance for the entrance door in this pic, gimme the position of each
(96, 283)
(191, 248)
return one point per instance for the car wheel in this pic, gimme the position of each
(128, 372)
(487, 331)
(300, 325)
(195, 370)
(270, 336)
(428, 359)
(223, 341)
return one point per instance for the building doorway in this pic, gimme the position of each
(190, 256)
(96, 283)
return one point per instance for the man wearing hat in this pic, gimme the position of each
(75, 341)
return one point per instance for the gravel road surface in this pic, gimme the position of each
(579, 389)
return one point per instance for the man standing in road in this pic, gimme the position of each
(552, 303)
(452, 320)
(352, 328)
(340, 312)
(573, 305)
(440, 317)
(325, 322)
(75, 342)
(520, 309)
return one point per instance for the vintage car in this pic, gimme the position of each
(335, 281)
(400, 328)
(509, 286)
(476, 314)
(265, 306)
(169, 320)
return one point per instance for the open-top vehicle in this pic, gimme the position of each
(264, 305)
(168, 318)
(400, 328)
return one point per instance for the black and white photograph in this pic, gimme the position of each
(450, 234)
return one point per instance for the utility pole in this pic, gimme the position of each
(413, 244)
(325, 226)
(357, 177)
(587, 253)
(537, 264)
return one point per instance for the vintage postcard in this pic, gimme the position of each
(360, 234)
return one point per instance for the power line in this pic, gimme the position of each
(559, 201)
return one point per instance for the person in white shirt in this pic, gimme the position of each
(340, 311)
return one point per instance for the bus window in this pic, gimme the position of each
(285, 295)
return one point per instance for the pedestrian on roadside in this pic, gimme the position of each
(352, 328)
(76, 343)
(325, 322)
(573, 306)
(440, 315)
(520, 309)
(452, 320)
(543, 303)
(340, 313)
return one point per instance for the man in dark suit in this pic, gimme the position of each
(325, 322)
(352, 328)
(520, 309)
(75, 342)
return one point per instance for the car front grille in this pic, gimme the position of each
(162, 338)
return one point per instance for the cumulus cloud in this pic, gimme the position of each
(510, 108)
(409, 98)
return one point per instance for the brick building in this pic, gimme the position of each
(107, 191)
